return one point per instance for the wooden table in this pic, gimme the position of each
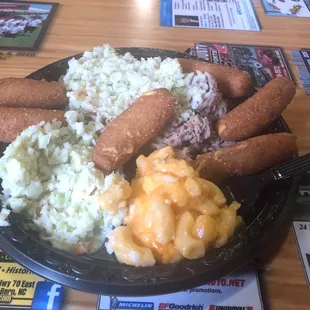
(80, 25)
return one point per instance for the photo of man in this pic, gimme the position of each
(23, 24)
(186, 21)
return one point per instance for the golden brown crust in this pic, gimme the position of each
(246, 157)
(231, 82)
(126, 134)
(256, 113)
(28, 93)
(14, 120)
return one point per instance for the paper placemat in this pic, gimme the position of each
(239, 291)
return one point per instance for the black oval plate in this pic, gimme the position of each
(100, 273)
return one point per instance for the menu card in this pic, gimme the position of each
(227, 14)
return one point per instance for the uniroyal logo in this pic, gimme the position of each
(213, 307)
(164, 305)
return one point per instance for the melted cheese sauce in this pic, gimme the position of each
(166, 189)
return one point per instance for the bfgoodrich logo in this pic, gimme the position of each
(213, 307)
(164, 305)
(116, 304)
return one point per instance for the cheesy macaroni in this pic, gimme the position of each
(173, 214)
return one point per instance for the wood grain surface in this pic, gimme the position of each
(80, 25)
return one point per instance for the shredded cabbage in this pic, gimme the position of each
(48, 174)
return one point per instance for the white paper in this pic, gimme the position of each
(240, 291)
(224, 14)
(302, 233)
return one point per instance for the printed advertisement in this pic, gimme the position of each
(21, 289)
(225, 14)
(301, 224)
(238, 291)
(263, 63)
(305, 55)
(302, 60)
(17, 284)
(295, 8)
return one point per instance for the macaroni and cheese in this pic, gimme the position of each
(173, 214)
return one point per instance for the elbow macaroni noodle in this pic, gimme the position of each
(173, 214)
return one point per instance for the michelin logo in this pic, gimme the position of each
(116, 304)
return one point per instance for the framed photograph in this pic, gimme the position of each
(23, 24)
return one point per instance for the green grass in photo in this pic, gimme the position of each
(21, 40)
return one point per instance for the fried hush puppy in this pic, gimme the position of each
(136, 126)
(14, 120)
(247, 157)
(28, 93)
(256, 113)
(231, 82)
